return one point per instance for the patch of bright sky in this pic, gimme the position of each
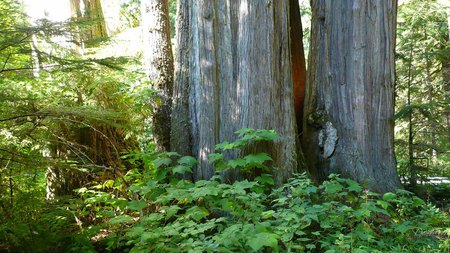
(53, 10)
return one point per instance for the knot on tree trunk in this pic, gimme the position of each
(328, 139)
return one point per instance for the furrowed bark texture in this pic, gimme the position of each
(349, 98)
(239, 75)
(180, 136)
(158, 60)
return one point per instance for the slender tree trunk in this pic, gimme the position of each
(159, 63)
(446, 76)
(240, 75)
(411, 165)
(429, 84)
(350, 95)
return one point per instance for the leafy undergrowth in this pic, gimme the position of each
(338, 216)
(166, 214)
(158, 212)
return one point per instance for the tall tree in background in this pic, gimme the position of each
(421, 118)
(350, 93)
(234, 68)
(83, 146)
(446, 70)
(159, 63)
(92, 15)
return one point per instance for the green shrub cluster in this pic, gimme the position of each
(167, 214)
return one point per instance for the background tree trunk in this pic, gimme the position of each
(239, 76)
(95, 146)
(446, 74)
(349, 98)
(92, 14)
(159, 63)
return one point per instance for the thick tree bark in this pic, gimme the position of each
(240, 75)
(180, 140)
(349, 99)
(159, 63)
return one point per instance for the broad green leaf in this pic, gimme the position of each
(389, 196)
(171, 211)
(383, 204)
(244, 131)
(158, 162)
(265, 239)
(220, 166)
(188, 161)
(137, 205)
(197, 213)
(353, 186)
(310, 246)
(120, 219)
(181, 169)
(224, 146)
(214, 157)
(161, 174)
(405, 226)
(257, 160)
(266, 135)
(418, 202)
(147, 236)
(237, 163)
(311, 189)
(333, 187)
(108, 184)
(198, 192)
(267, 214)
(170, 154)
(244, 184)
(266, 179)
(136, 231)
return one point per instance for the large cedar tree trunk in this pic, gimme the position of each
(350, 94)
(159, 64)
(234, 71)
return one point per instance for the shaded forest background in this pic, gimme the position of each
(80, 170)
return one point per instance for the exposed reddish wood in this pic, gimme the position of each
(298, 62)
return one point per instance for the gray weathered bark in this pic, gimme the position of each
(180, 140)
(349, 97)
(159, 64)
(237, 71)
